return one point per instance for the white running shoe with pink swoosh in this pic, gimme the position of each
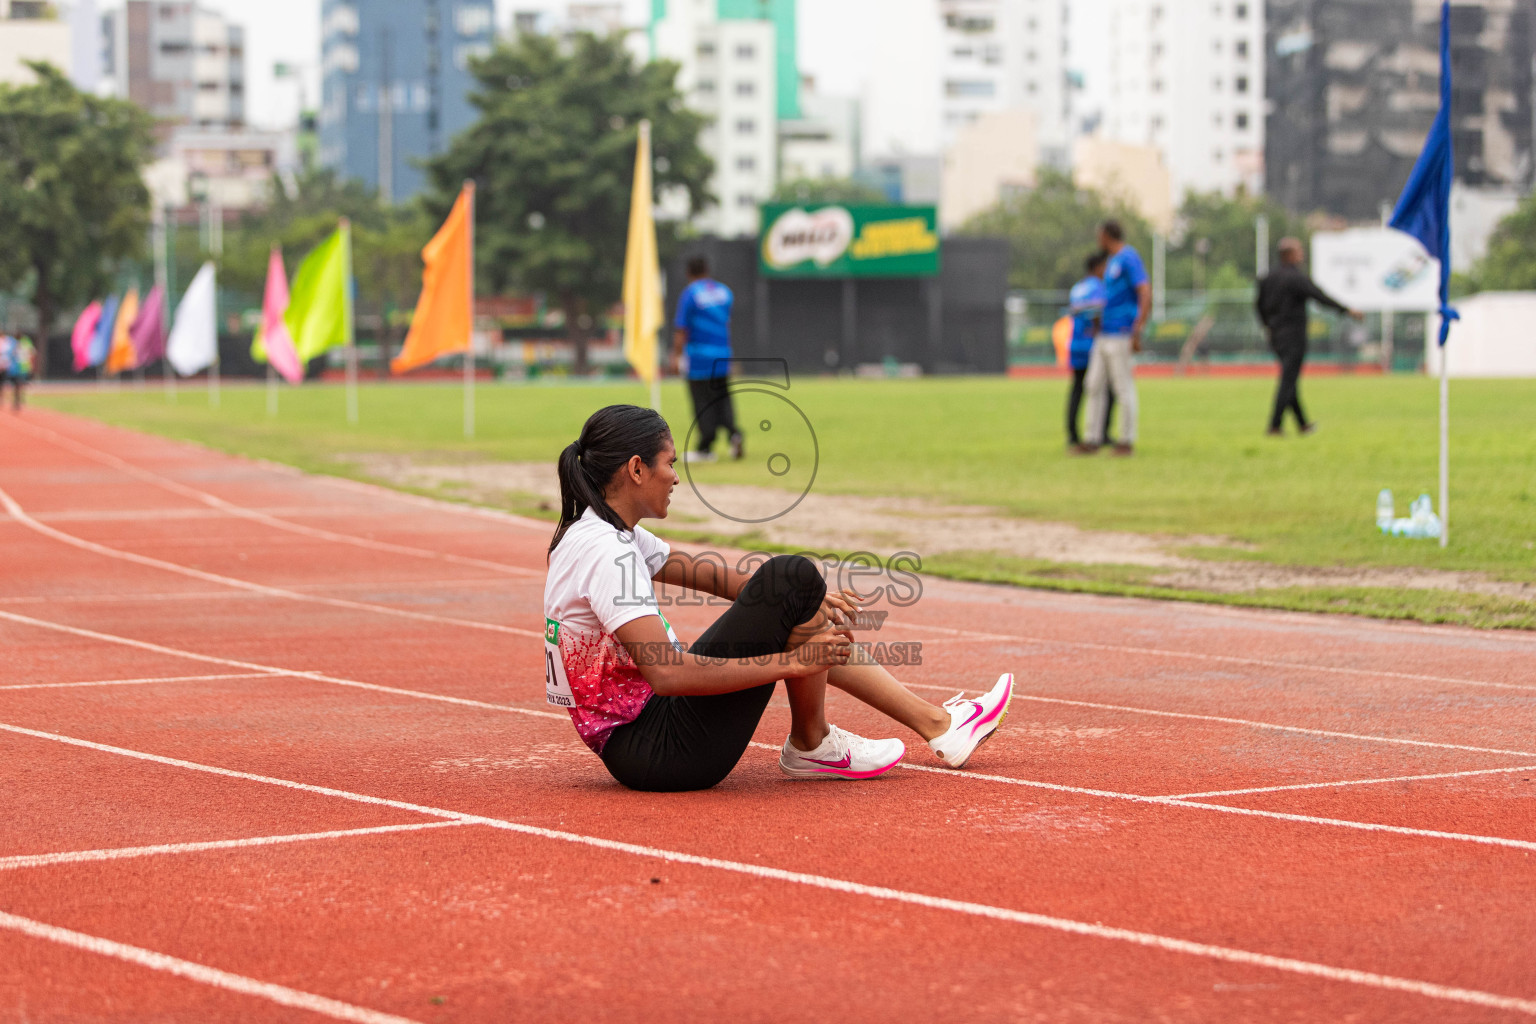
(972, 722)
(841, 755)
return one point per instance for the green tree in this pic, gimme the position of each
(1510, 262)
(552, 156)
(73, 204)
(827, 190)
(1217, 238)
(1053, 227)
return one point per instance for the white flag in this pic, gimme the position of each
(194, 341)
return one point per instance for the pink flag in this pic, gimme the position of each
(80, 337)
(148, 331)
(274, 331)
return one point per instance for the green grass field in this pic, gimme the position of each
(1203, 467)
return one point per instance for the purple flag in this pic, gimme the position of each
(147, 333)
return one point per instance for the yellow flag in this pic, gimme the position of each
(642, 274)
(443, 318)
(122, 354)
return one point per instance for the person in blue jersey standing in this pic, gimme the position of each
(1087, 299)
(1127, 302)
(703, 332)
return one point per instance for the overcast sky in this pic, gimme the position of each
(845, 44)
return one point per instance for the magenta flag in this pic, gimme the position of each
(80, 337)
(147, 333)
(274, 331)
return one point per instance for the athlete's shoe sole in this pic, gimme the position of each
(836, 773)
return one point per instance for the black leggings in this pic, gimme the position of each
(713, 408)
(1074, 403)
(683, 743)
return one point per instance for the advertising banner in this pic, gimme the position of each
(841, 240)
(1376, 270)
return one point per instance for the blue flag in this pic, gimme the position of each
(101, 341)
(1424, 208)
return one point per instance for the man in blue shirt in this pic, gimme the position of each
(703, 331)
(1127, 301)
(1087, 308)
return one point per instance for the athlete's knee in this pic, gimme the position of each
(790, 580)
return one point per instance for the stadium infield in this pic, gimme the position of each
(274, 748)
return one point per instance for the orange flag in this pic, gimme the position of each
(442, 321)
(122, 356)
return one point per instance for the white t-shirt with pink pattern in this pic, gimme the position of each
(599, 579)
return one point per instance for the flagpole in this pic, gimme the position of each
(162, 278)
(271, 389)
(213, 367)
(1445, 448)
(661, 345)
(469, 348)
(346, 226)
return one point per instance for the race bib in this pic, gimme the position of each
(557, 688)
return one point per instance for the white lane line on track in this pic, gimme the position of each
(44, 860)
(508, 518)
(21, 515)
(222, 595)
(256, 588)
(1230, 659)
(275, 670)
(142, 681)
(216, 502)
(1249, 723)
(280, 994)
(1147, 939)
(974, 776)
(162, 514)
(1356, 782)
(960, 634)
(1249, 812)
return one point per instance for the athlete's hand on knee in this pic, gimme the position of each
(827, 649)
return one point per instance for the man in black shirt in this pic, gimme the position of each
(1282, 309)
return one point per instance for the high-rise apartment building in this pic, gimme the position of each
(738, 68)
(1354, 86)
(182, 62)
(1005, 55)
(1187, 79)
(395, 84)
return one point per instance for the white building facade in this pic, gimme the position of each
(182, 62)
(1000, 55)
(1187, 79)
(824, 141)
(728, 74)
(31, 31)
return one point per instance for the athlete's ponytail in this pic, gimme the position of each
(610, 438)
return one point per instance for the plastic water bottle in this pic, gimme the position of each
(1420, 522)
(1385, 512)
(1422, 513)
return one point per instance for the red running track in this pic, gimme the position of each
(273, 747)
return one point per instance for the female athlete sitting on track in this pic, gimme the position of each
(667, 718)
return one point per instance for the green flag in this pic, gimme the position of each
(319, 315)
